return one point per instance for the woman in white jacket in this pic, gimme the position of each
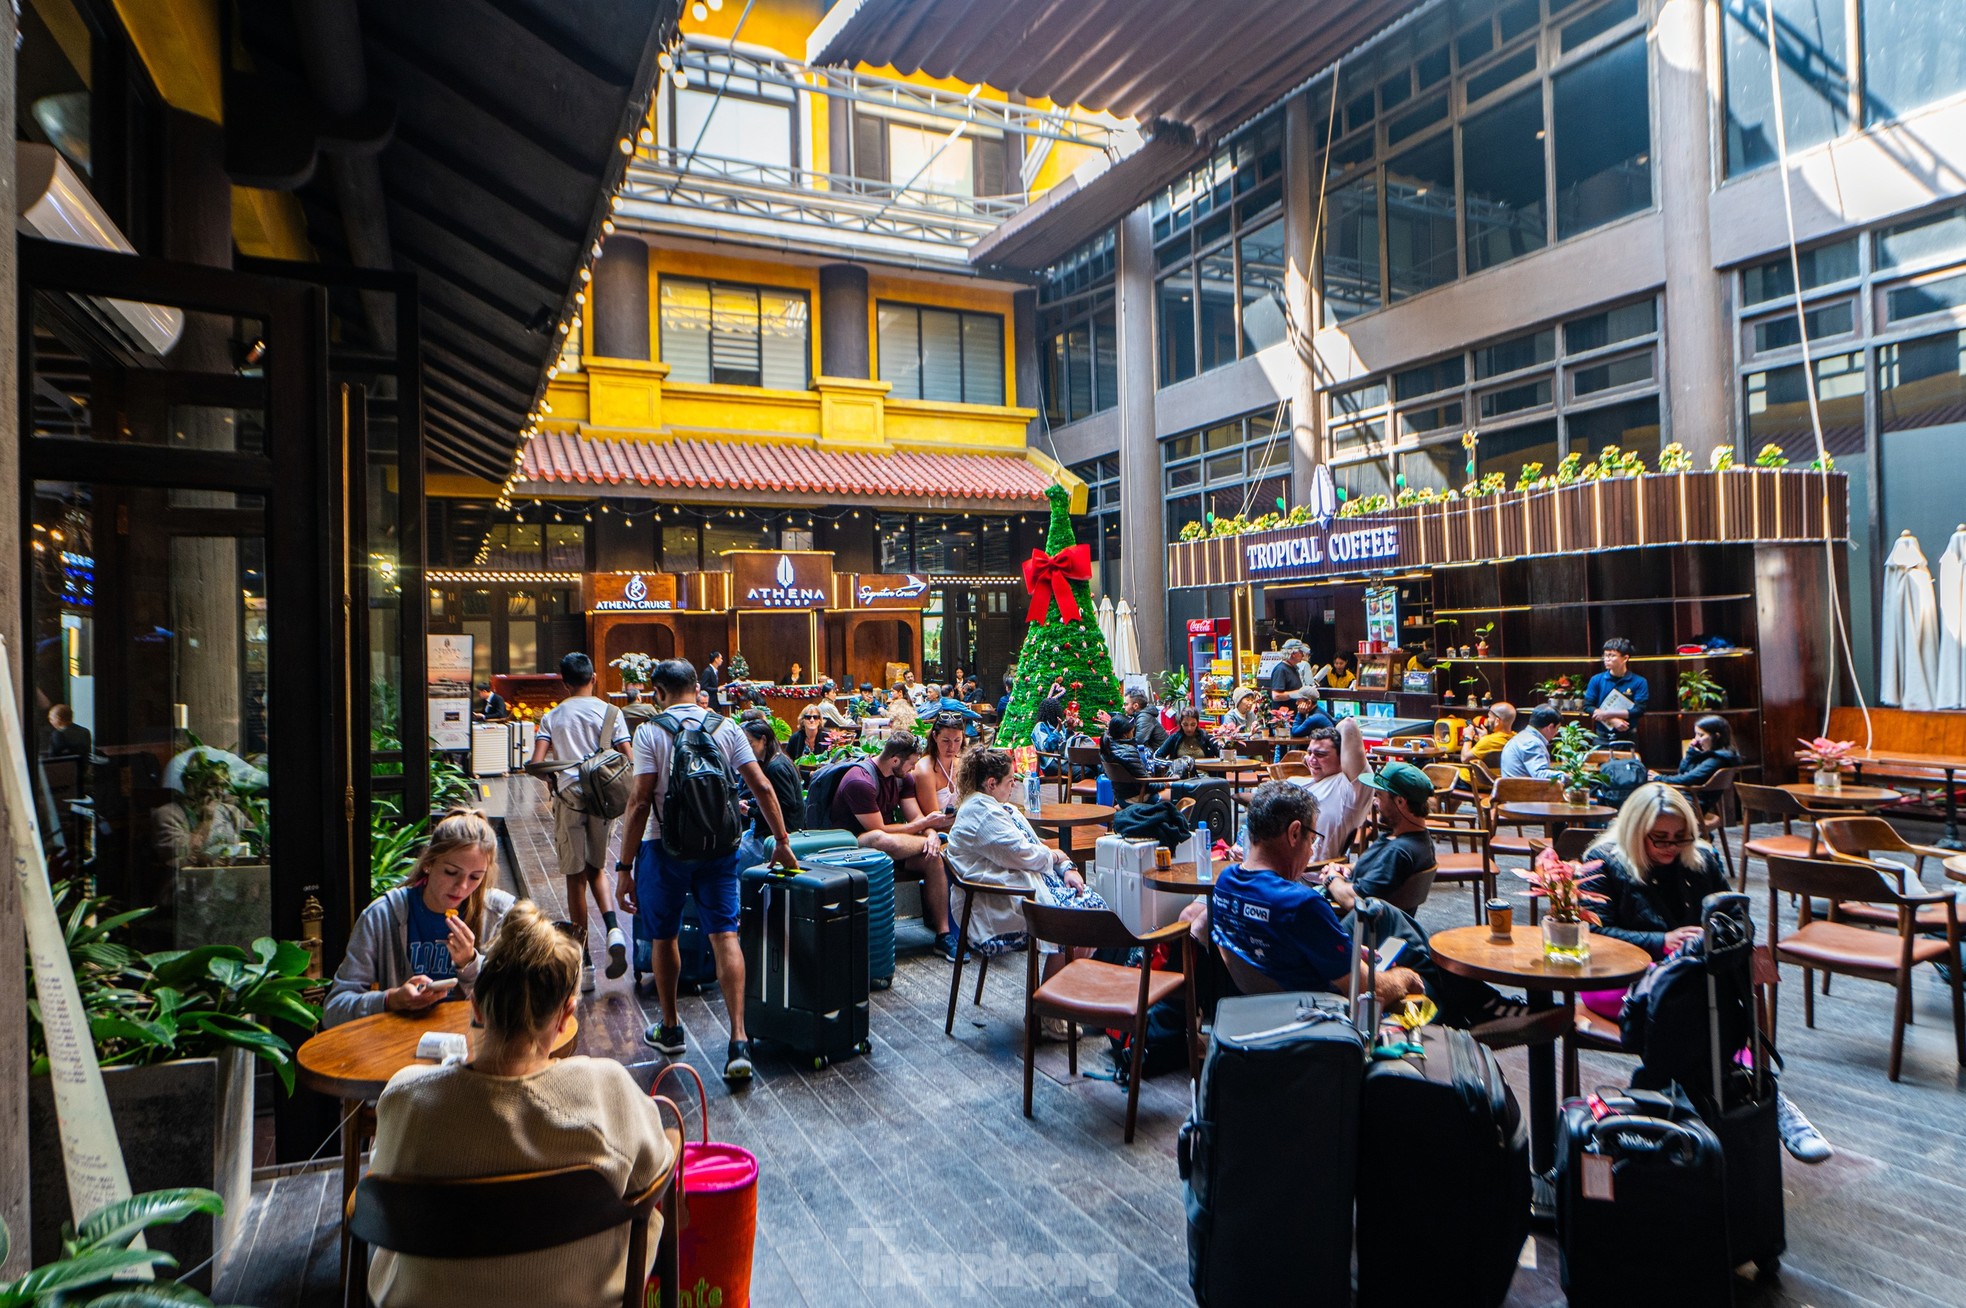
(992, 841)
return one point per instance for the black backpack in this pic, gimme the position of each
(824, 785)
(699, 811)
(1621, 777)
(1669, 1019)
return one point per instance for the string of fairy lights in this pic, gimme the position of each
(565, 512)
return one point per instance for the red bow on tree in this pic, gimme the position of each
(1050, 577)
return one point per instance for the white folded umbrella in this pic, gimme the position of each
(1952, 623)
(1125, 644)
(1908, 665)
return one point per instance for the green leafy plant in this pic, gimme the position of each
(1567, 469)
(1771, 456)
(1823, 463)
(1722, 458)
(1171, 686)
(1674, 458)
(1530, 477)
(1698, 691)
(781, 729)
(176, 1003)
(1569, 758)
(393, 846)
(97, 1259)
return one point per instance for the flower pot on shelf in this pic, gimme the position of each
(1481, 649)
(1567, 943)
(1829, 781)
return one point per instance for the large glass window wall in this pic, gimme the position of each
(1099, 527)
(1482, 133)
(1237, 467)
(1078, 336)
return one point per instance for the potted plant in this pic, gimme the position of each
(635, 669)
(1570, 762)
(1568, 916)
(97, 1263)
(1829, 758)
(178, 1034)
(1699, 692)
(1482, 633)
(1171, 688)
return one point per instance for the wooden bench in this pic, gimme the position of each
(1910, 732)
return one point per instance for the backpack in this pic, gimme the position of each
(605, 776)
(1666, 1019)
(699, 810)
(824, 785)
(1621, 777)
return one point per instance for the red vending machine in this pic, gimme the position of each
(1211, 665)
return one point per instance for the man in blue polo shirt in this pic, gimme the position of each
(1288, 929)
(1616, 723)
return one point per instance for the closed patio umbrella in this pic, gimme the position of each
(1126, 643)
(1952, 623)
(1105, 620)
(1909, 662)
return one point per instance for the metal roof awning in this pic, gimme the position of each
(1059, 221)
(471, 143)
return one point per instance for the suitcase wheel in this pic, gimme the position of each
(820, 1061)
(1771, 1270)
(882, 983)
(865, 1047)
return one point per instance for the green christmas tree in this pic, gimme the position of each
(1056, 650)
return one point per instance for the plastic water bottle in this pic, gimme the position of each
(1204, 858)
(1033, 798)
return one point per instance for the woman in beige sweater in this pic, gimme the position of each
(515, 1108)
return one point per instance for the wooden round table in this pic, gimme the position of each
(1059, 819)
(1956, 867)
(1232, 767)
(1427, 750)
(1180, 878)
(1848, 797)
(1557, 815)
(1469, 951)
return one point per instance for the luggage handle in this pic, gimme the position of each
(1727, 930)
(1648, 1135)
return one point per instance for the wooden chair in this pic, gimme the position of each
(1864, 839)
(971, 889)
(1284, 771)
(1292, 756)
(1062, 778)
(497, 1216)
(1868, 953)
(1248, 980)
(1514, 842)
(1710, 797)
(1773, 801)
(1087, 991)
(1084, 756)
(1471, 868)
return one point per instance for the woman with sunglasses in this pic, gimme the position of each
(935, 773)
(809, 736)
(1656, 871)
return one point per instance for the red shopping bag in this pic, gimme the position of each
(719, 1215)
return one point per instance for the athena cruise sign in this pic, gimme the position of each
(1295, 553)
(637, 592)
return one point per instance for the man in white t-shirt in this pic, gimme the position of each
(1336, 758)
(655, 887)
(568, 733)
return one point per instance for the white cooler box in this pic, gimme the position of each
(491, 749)
(1117, 863)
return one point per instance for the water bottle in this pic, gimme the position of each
(1033, 799)
(1204, 857)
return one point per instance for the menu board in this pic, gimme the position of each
(1382, 615)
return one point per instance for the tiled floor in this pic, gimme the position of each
(910, 1176)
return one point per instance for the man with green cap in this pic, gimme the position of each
(1404, 849)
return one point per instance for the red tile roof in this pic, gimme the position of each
(781, 466)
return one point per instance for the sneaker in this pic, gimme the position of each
(737, 1061)
(1803, 1141)
(664, 1039)
(587, 977)
(1500, 1008)
(945, 945)
(617, 953)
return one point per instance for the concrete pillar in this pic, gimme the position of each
(621, 300)
(13, 939)
(1699, 380)
(1024, 340)
(844, 350)
(1300, 294)
(1143, 544)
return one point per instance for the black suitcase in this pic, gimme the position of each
(1641, 1209)
(698, 971)
(1270, 1152)
(1450, 1114)
(805, 959)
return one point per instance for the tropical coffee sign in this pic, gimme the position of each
(634, 592)
(780, 579)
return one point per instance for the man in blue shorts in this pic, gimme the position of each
(659, 883)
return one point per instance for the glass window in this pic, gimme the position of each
(941, 354)
(926, 159)
(1500, 74)
(1420, 240)
(1358, 480)
(1217, 277)
(1351, 251)
(1603, 139)
(1611, 374)
(1187, 474)
(1440, 466)
(1265, 317)
(1914, 54)
(1359, 399)
(1932, 237)
(1429, 377)
(1105, 359)
(679, 548)
(1517, 17)
(1632, 426)
(1516, 399)
(1627, 322)
(1820, 267)
(1417, 119)
(1502, 173)
(1438, 417)
(1180, 513)
(1222, 436)
(895, 533)
(1225, 467)
(1923, 382)
(734, 335)
(1780, 333)
(1520, 352)
(1506, 451)
(1815, 77)
(1778, 407)
(1940, 295)
(716, 123)
(1475, 42)
(1596, 23)
(1175, 316)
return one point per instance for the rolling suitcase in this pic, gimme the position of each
(699, 961)
(805, 959)
(880, 903)
(1449, 1112)
(1270, 1152)
(1641, 1204)
(813, 841)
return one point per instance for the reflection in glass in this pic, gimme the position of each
(1813, 52)
(1914, 55)
(1780, 333)
(1502, 173)
(1420, 241)
(1633, 427)
(1778, 408)
(1506, 451)
(1775, 279)
(1264, 315)
(1175, 318)
(1603, 139)
(1351, 251)
(1217, 277)
(1923, 382)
